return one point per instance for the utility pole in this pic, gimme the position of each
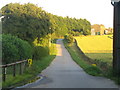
(116, 37)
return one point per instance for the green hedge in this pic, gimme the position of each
(40, 52)
(69, 38)
(14, 49)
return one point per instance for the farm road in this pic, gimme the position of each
(63, 72)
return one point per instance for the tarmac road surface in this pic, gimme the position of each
(63, 72)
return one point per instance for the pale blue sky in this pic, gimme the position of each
(96, 11)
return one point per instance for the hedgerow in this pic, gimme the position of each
(15, 49)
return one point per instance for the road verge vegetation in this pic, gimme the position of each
(88, 64)
(89, 68)
(31, 73)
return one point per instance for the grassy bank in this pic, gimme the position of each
(88, 64)
(106, 57)
(30, 72)
(77, 57)
(97, 48)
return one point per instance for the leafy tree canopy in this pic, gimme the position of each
(28, 21)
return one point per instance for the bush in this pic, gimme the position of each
(69, 38)
(14, 49)
(40, 52)
(93, 70)
(65, 37)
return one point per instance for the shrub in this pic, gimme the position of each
(69, 38)
(65, 37)
(40, 52)
(14, 49)
(93, 70)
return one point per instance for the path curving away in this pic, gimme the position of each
(63, 72)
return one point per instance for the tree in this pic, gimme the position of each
(28, 22)
(25, 21)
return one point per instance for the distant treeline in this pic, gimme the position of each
(28, 22)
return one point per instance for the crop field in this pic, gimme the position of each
(95, 44)
(96, 47)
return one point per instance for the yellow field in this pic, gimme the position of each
(95, 44)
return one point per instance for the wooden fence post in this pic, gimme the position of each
(20, 68)
(4, 74)
(14, 70)
(23, 65)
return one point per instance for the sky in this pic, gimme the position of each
(95, 11)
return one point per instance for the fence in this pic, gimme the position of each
(22, 65)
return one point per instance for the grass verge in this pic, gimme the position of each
(89, 68)
(88, 65)
(106, 57)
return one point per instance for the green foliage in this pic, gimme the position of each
(65, 37)
(52, 50)
(103, 60)
(93, 70)
(14, 49)
(66, 25)
(86, 32)
(102, 63)
(40, 52)
(30, 72)
(25, 21)
(69, 38)
(28, 22)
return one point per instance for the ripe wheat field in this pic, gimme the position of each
(96, 47)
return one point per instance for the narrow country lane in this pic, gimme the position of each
(63, 72)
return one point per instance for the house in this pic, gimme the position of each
(92, 31)
(97, 29)
(109, 30)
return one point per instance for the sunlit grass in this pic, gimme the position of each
(106, 57)
(92, 69)
(97, 47)
(89, 68)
